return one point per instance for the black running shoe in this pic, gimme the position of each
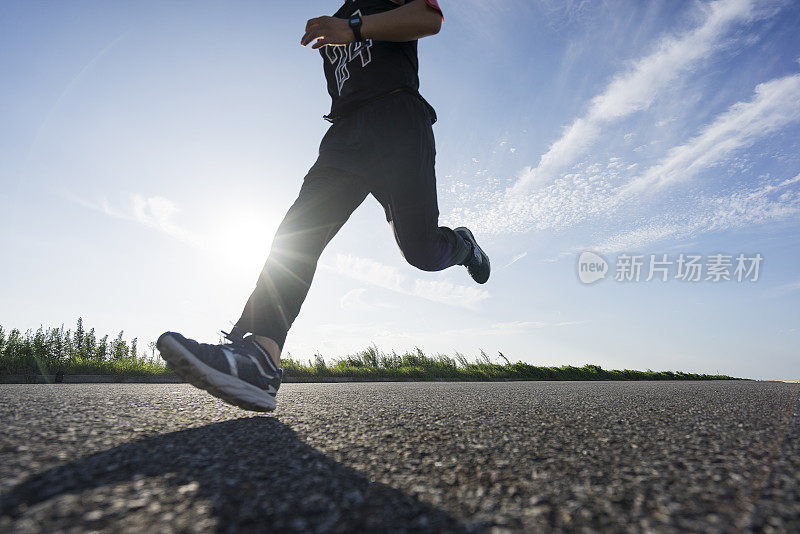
(240, 373)
(477, 262)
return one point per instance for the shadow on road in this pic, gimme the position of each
(255, 472)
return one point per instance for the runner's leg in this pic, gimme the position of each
(407, 189)
(327, 198)
(415, 223)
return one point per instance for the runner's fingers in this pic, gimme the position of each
(311, 34)
(320, 43)
(313, 22)
(312, 26)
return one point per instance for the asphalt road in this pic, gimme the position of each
(521, 456)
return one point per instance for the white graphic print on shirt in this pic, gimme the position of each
(342, 55)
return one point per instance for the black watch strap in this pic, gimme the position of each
(355, 25)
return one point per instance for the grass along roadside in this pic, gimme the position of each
(58, 353)
(374, 364)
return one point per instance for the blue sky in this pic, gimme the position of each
(149, 151)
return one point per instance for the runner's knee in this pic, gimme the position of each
(422, 256)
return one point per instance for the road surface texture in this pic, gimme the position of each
(480, 457)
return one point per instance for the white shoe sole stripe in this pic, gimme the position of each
(231, 363)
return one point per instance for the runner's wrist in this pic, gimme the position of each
(366, 27)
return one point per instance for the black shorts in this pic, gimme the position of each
(389, 146)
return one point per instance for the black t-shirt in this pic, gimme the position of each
(360, 72)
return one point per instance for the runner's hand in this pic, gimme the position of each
(327, 31)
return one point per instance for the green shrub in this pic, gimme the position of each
(52, 350)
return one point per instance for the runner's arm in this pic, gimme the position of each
(414, 20)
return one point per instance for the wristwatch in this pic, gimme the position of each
(355, 25)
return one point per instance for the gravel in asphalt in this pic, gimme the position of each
(516, 456)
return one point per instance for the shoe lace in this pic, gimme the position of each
(235, 339)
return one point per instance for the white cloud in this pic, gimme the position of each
(633, 240)
(604, 192)
(587, 191)
(378, 274)
(155, 212)
(515, 259)
(353, 299)
(636, 89)
(752, 206)
(369, 271)
(159, 212)
(776, 103)
(746, 206)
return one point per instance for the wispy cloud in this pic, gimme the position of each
(769, 201)
(515, 259)
(637, 88)
(378, 274)
(154, 212)
(609, 193)
(159, 213)
(635, 239)
(746, 206)
(589, 190)
(776, 104)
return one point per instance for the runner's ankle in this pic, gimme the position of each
(271, 347)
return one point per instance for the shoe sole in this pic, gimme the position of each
(229, 388)
(475, 244)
